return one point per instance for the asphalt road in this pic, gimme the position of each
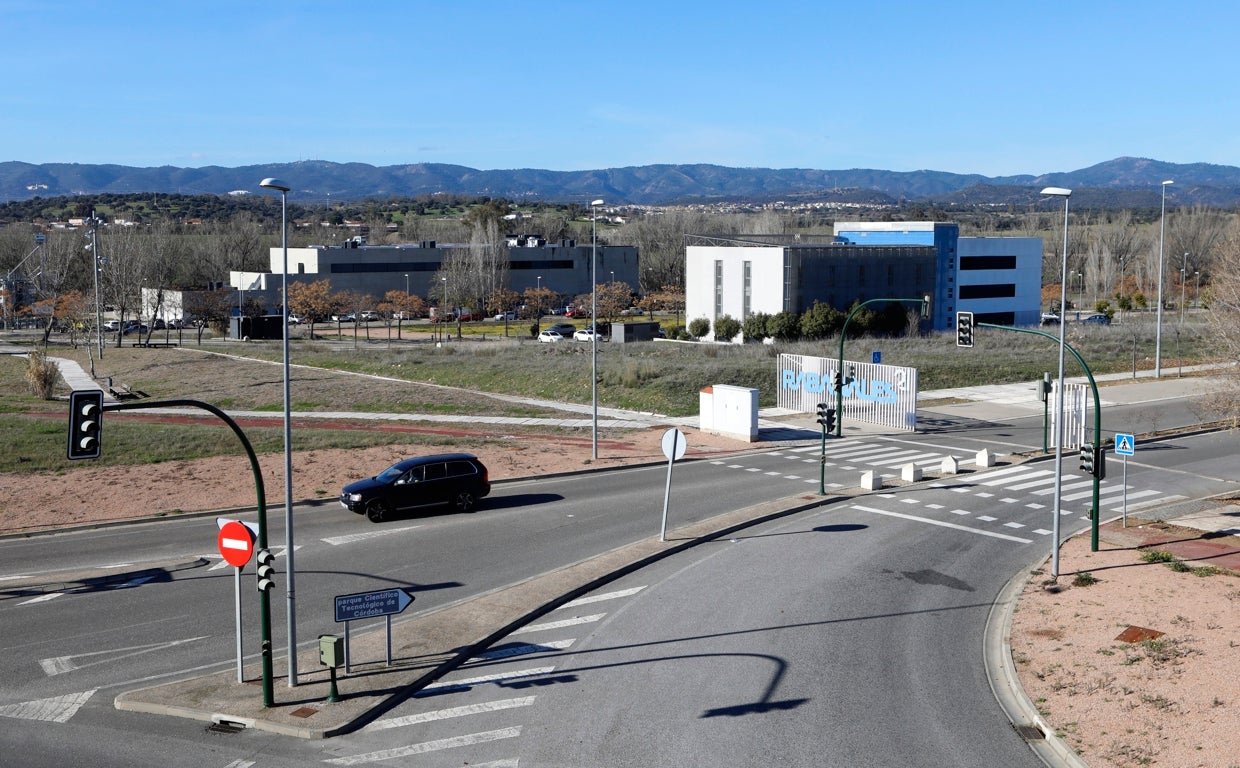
(75, 649)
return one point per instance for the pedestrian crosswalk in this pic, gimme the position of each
(472, 713)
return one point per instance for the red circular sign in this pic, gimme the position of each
(236, 543)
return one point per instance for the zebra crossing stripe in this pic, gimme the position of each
(428, 746)
(445, 714)
(999, 477)
(559, 624)
(605, 596)
(468, 681)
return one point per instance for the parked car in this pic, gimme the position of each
(550, 337)
(564, 329)
(1097, 320)
(111, 325)
(159, 324)
(133, 327)
(344, 318)
(457, 479)
(585, 334)
(296, 319)
(631, 311)
(1050, 318)
(506, 316)
(369, 317)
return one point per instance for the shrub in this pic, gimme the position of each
(41, 374)
(726, 328)
(785, 326)
(755, 326)
(699, 327)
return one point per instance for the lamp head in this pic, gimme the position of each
(1165, 183)
(596, 202)
(274, 184)
(1057, 191)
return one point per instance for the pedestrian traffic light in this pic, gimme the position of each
(837, 381)
(85, 423)
(964, 329)
(826, 417)
(1087, 458)
(1100, 463)
(266, 569)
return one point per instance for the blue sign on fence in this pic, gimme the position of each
(366, 605)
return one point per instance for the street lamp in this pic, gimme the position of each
(406, 286)
(1162, 232)
(290, 593)
(539, 284)
(1063, 289)
(594, 204)
(1183, 279)
(613, 276)
(1197, 291)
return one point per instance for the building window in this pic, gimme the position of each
(995, 291)
(718, 289)
(748, 285)
(987, 262)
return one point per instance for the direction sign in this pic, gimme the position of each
(1125, 445)
(366, 605)
(236, 542)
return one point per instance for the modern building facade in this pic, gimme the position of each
(374, 270)
(996, 278)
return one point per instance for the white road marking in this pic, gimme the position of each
(58, 665)
(57, 709)
(559, 624)
(352, 537)
(521, 650)
(468, 681)
(42, 598)
(943, 524)
(444, 714)
(428, 746)
(605, 596)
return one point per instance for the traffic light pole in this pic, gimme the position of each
(264, 596)
(839, 372)
(1093, 385)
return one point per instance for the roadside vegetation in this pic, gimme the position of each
(419, 376)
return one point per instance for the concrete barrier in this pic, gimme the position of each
(871, 481)
(950, 466)
(984, 458)
(910, 473)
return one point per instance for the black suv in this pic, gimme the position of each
(459, 479)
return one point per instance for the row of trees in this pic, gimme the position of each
(820, 321)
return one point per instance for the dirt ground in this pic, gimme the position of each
(1172, 701)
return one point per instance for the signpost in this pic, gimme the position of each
(1125, 445)
(368, 605)
(674, 445)
(235, 541)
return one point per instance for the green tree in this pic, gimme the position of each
(726, 328)
(755, 326)
(821, 321)
(785, 326)
(699, 328)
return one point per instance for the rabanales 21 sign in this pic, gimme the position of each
(873, 393)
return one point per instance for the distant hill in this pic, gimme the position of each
(1123, 182)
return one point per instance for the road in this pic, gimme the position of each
(77, 649)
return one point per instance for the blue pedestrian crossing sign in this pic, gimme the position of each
(1125, 445)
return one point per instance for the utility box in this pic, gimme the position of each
(624, 333)
(729, 411)
(331, 651)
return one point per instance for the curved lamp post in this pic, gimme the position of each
(1162, 232)
(1063, 290)
(594, 204)
(290, 592)
(839, 371)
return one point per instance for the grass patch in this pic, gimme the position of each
(1084, 579)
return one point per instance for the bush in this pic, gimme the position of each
(755, 326)
(41, 374)
(726, 328)
(785, 326)
(699, 328)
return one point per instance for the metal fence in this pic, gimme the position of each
(873, 393)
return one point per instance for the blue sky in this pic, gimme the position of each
(991, 87)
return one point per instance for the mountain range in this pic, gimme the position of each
(1127, 182)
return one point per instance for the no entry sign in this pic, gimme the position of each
(236, 543)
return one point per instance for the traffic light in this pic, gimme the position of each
(1087, 458)
(1100, 463)
(85, 423)
(964, 329)
(826, 417)
(837, 381)
(266, 569)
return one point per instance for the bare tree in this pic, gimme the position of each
(1224, 318)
